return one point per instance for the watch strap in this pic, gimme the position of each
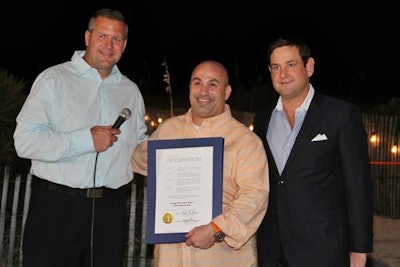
(216, 228)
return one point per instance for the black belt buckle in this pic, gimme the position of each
(94, 192)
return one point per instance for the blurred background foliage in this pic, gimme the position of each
(12, 97)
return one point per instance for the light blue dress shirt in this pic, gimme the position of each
(280, 135)
(53, 126)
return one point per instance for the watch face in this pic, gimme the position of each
(219, 236)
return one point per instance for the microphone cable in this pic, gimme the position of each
(93, 203)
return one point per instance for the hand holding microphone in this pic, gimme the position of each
(105, 136)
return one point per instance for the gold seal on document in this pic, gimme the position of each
(168, 218)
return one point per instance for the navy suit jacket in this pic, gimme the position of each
(321, 207)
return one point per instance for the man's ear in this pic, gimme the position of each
(228, 91)
(310, 66)
(87, 36)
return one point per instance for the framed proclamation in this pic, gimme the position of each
(184, 186)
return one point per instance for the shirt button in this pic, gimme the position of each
(280, 182)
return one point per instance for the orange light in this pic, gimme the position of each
(373, 138)
(394, 149)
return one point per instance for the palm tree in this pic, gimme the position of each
(12, 97)
(168, 88)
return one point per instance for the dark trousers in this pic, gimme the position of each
(61, 231)
(279, 261)
(282, 261)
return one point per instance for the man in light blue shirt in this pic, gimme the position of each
(80, 162)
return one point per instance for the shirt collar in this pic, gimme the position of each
(306, 103)
(83, 68)
(213, 122)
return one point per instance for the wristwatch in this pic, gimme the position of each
(218, 234)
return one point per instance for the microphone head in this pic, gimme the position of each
(125, 113)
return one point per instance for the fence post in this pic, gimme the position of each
(6, 176)
(13, 225)
(132, 217)
(27, 199)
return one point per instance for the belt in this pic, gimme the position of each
(97, 192)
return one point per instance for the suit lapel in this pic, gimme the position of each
(311, 119)
(272, 164)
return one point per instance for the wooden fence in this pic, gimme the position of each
(385, 164)
(15, 195)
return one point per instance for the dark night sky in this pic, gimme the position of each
(345, 43)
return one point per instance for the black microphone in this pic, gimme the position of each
(123, 116)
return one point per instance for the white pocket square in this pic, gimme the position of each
(319, 137)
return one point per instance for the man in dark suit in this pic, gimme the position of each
(320, 211)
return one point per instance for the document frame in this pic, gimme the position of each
(217, 154)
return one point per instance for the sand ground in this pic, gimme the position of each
(386, 247)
